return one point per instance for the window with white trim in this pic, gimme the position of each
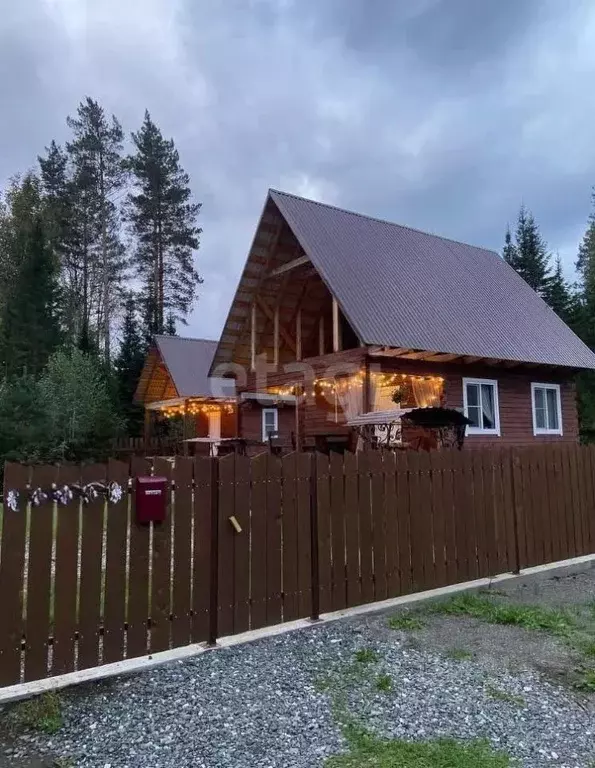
(480, 401)
(270, 423)
(547, 409)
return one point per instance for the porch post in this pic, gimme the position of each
(147, 430)
(298, 335)
(185, 428)
(276, 337)
(321, 335)
(336, 327)
(253, 337)
(366, 386)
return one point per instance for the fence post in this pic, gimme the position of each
(315, 614)
(214, 574)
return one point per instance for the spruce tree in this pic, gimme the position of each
(162, 219)
(128, 366)
(528, 255)
(557, 293)
(29, 323)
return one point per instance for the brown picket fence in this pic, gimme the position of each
(253, 542)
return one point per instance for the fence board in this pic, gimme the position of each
(584, 496)
(66, 579)
(590, 463)
(465, 523)
(258, 558)
(479, 513)
(114, 612)
(226, 545)
(450, 532)
(438, 511)
(490, 493)
(138, 574)
(351, 531)
(41, 535)
(324, 532)
(160, 600)
(12, 564)
(419, 527)
(304, 472)
(575, 500)
(241, 616)
(290, 538)
(182, 553)
(203, 533)
(337, 519)
(92, 526)
(393, 586)
(507, 541)
(376, 466)
(273, 542)
(403, 522)
(365, 527)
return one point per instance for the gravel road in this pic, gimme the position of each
(275, 703)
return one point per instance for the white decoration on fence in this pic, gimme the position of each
(37, 497)
(62, 495)
(12, 500)
(115, 492)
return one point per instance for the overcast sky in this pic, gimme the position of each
(440, 114)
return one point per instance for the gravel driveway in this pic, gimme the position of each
(279, 702)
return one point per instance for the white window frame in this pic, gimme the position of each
(544, 430)
(214, 419)
(480, 430)
(264, 412)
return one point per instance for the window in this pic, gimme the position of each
(270, 423)
(547, 410)
(480, 400)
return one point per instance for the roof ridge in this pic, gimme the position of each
(381, 221)
(182, 338)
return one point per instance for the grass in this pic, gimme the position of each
(585, 680)
(367, 750)
(405, 621)
(499, 695)
(43, 713)
(459, 654)
(534, 617)
(384, 683)
(366, 656)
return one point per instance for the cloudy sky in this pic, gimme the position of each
(440, 114)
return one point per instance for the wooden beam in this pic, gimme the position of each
(269, 313)
(321, 335)
(253, 337)
(288, 267)
(298, 334)
(336, 327)
(276, 337)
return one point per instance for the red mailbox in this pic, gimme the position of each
(151, 499)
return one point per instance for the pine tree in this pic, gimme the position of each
(128, 366)
(557, 293)
(528, 255)
(96, 155)
(29, 318)
(162, 219)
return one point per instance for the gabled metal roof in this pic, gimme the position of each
(399, 287)
(188, 362)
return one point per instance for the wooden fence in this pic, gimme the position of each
(252, 542)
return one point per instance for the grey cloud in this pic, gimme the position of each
(440, 114)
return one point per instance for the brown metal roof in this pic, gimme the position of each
(399, 287)
(188, 362)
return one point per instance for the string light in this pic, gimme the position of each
(196, 407)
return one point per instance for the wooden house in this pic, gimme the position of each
(352, 315)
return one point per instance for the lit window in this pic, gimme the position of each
(270, 423)
(547, 409)
(480, 400)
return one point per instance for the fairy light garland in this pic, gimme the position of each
(194, 408)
